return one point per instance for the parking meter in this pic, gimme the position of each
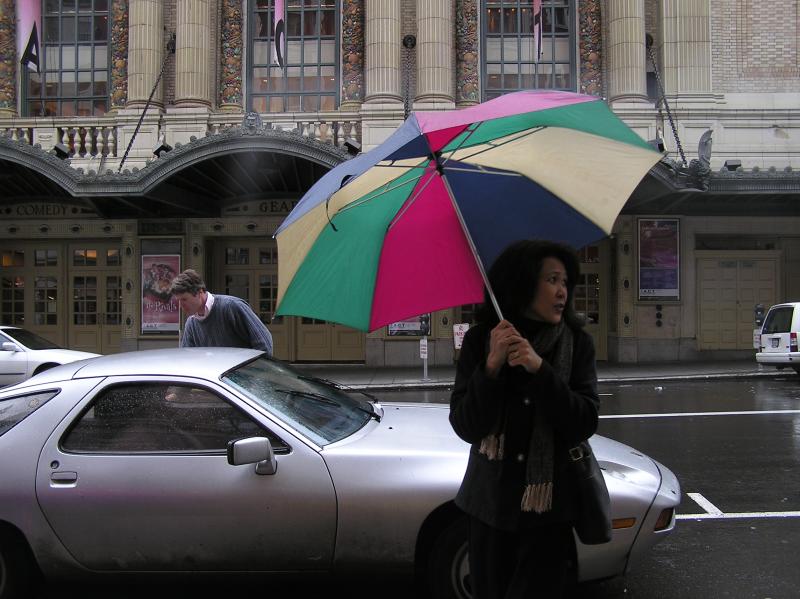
(758, 312)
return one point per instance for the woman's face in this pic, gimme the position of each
(551, 292)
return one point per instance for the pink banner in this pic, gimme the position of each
(29, 28)
(279, 34)
(159, 308)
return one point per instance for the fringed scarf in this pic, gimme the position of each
(538, 495)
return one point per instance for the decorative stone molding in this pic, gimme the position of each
(119, 54)
(352, 52)
(590, 67)
(467, 87)
(8, 57)
(230, 81)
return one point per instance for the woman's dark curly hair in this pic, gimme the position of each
(514, 277)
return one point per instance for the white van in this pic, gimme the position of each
(778, 344)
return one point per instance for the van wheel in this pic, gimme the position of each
(15, 568)
(448, 564)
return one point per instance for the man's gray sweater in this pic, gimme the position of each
(230, 323)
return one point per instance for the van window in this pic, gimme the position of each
(779, 320)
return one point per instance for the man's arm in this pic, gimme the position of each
(254, 330)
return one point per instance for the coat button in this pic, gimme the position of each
(520, 457)
(526, 401)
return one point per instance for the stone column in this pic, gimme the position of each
(466, 23)
(192, 53)
(627, 78)
(147, 44)
(8, 59)
(435, 37)
(230, 80)
(687, 46)
(383, 51)
(352, 54)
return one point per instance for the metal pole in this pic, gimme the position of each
(471, 243)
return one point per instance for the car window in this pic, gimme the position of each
(322, 412)
(30, 340)
(779, 320)
(151, 418)
(16, 408)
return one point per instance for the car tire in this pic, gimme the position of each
(15, 568)
(796, 369)
(448, 563)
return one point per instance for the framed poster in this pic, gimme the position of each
(418, 326)
(160, 311)
(659, 259)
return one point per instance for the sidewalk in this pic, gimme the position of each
(360, 376)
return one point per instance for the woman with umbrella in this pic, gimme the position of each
(525, 393)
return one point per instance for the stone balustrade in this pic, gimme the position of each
(97, 137)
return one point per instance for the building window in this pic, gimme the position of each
(45, 301)
(310, 81)
(12, 300)
(75, 61)
(509, 57)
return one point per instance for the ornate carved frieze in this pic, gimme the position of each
(230, 92)
(352, 51)
(119, 54)
(467, 89)
(8, 56)
(590, 59)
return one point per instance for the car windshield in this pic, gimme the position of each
(322, 412)
(30, 340)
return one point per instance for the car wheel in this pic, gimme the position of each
(448, 564)
(15, 568)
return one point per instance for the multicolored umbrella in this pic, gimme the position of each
(408, 227)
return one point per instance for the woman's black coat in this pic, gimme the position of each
(492, 490)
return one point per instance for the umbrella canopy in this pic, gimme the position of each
(408, 227)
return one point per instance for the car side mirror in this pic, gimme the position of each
(253, 450)
(10, 346)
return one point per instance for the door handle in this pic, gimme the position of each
(63, 479)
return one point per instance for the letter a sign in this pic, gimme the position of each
(279, 35)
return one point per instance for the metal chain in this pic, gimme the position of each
(666, 104)
(170, 52)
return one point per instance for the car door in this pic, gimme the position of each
(776, 331)
(13, 364)
(136, 478)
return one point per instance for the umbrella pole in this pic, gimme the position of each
(472, 247)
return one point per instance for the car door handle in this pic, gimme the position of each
(63, 479)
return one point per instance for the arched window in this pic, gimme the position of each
(74, 67)
(510, 60)
(310, 81)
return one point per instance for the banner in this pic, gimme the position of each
(160, 311)
(279, 34)
(29, 27)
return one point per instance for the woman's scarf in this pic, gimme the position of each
(538, 495)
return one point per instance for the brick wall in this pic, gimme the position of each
(755, 46)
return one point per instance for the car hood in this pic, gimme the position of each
(416, 429)
(63, 355)
(407, 427)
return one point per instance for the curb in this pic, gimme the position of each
(423, 385)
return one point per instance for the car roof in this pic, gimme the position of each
(203, 362)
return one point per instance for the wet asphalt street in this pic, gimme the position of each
(734, 445)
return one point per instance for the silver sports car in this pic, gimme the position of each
(222, 460)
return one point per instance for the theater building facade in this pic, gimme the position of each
(159, 135)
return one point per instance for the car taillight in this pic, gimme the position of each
(792, 341)
(664, 519)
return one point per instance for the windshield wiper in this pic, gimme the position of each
(310, 395)
(374, 408)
